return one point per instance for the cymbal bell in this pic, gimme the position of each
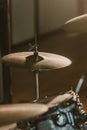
(43, 62)
(76, 25)
(12, 113)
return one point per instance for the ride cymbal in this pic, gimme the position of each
(44, 61)
(76, 25)
(16, 112)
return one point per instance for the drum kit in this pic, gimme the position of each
(64, 111)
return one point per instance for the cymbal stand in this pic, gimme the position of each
(37, 86)
(36, 72)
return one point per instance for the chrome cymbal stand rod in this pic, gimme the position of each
(36, 71)
(36, 23)
(37, 90)
(36, 33)
(37, 85)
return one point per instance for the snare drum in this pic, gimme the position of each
(58, 117)
(52, 120)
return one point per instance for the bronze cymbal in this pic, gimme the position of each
(44, 61)
(76, 25)
(12, 113)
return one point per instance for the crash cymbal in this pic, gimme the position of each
(60, 99)
(76, 25)
(44, 61)
(16, 112)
